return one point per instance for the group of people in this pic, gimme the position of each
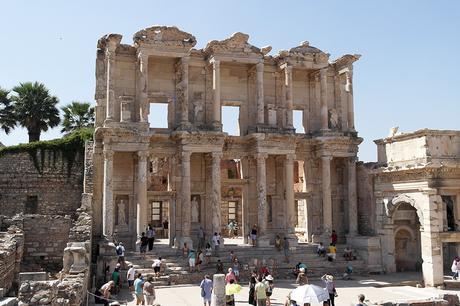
(331, 251)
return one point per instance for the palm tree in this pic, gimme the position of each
(35, 109)
(77, 115)
(7, 121)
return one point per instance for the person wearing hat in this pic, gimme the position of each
(269, 285)
(302, 277)
(330, 287)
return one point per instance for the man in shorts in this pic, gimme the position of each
(191, 260)
(138, 291)
(157, 266)
(130, 277)
(206, 290)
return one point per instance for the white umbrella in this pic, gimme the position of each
(309, 294)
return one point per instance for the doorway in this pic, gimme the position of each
(159, 214)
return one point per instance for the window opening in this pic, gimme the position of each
(158, 116)
(230, 120)
(298, 121)
(155, 213)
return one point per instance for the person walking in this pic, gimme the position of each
(230, 276)
(261, 292)
(206, 290)
(216, 241)
(231, 229)
(120, 249)
(138, 291)
(455, 268)
(253, 235)
(208, 253)
(330, 287)
(144, 243)
(156, 265)
(269, 288)
(333, 238)
(252, 284)
(130, 275)
(116, 277)
(150, 236)
(286, 250)
(191, 260)
(149, 292)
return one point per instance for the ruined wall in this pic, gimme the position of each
(51, 191)
(11, 248)
(366, 202)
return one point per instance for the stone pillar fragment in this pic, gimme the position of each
(185, 198)
(216, 192)
(107, 198)
(323, 98)
(290, 203)
(110, 95)
(350, 108)
(184, 87)
(141, 192)
(218, 290)
(143, 87)
(262, 199)
(352, 198)
(216, 87)
(289, 101)
(326, 189)
(260, 93)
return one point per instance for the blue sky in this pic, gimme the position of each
(408, 76)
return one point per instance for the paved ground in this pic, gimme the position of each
(378, 288)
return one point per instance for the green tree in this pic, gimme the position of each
(35, 109)
(77, 115)
(7, 121)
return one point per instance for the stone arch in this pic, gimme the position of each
(391, 206)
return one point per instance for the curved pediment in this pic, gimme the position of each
(237, 43)
(164, 35)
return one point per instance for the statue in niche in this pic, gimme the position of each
(333, 119)
(195, 205)
(198, 111)
(121, 213)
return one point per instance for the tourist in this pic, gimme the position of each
(348, 253)
(144, 243)
(120, 249)
(150, 236)
(230, 276)
(236, 268)
(278, 243)
(185, 250)
(260, 292)
(219, 267)
(231, 229)
(232, 256)
(191, 260)
(206, 290)
(302, 278)
(138, 284)
(208, 253)
(269, 288)
(106, 290)
(252, 285)
(361, 298)
(165, 228)
(157, 266)
(333, 238)
(201, 238)
(321, 250)
(130, 275)
(348, 272)
(286, 250)
(149, 292)
(116, 278)
(253, 235)
(330, 287)
(230, 298)
(216, 241)
(331, 252)
(455, 268)
(199, 260)
(297, 268)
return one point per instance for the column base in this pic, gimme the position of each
(263, 241)
(184, 126)
(217, 126)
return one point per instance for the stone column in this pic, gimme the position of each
(432, 265)
(216, 87)
(110, 95)
(185, 198)
(323, 97)
(349, 90)
(290, 204)
(142, 211)
(184, 103)
(143, 87)
(326, 189)
(107, 205)
(215, 192)
(218, 290)
(262, 199)
(289, 102)
(352, 199)
(245, 226)
(260, 93)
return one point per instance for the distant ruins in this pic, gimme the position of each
(400, 213)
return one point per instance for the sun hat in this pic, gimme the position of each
(329, 277)
(269, 278)
(302, 270)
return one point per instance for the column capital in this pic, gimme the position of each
(260, 66)
(216, 155)
(261, 156)
(142, 155)
(323, 73)
(215, 62)
(185, 156)
(108, 154)
(326, 157)
(290, 157)
(352, 159)
(185, 60)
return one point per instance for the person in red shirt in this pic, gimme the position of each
(333, 238)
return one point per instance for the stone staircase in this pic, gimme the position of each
(176, 270)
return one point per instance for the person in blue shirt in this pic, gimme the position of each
(138, 291)
(206, 290)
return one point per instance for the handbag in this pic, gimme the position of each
(203, 293)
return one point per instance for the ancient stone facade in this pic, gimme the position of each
(40, 185)
(146, 175)
(11, 248)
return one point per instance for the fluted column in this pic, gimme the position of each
(349, 90)
(323, 97)
(185, 194)
(110, 95)
(184, 103)
(289, 102)
(352, 198)
(107, 198)
(216, 192)
(143, 87)
(290, 203)
(260, 93)
(327, 200)
(216, 87)
(141, 183)
(261, 194)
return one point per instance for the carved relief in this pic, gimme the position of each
(163, 35)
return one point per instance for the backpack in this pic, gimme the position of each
(119, 251)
